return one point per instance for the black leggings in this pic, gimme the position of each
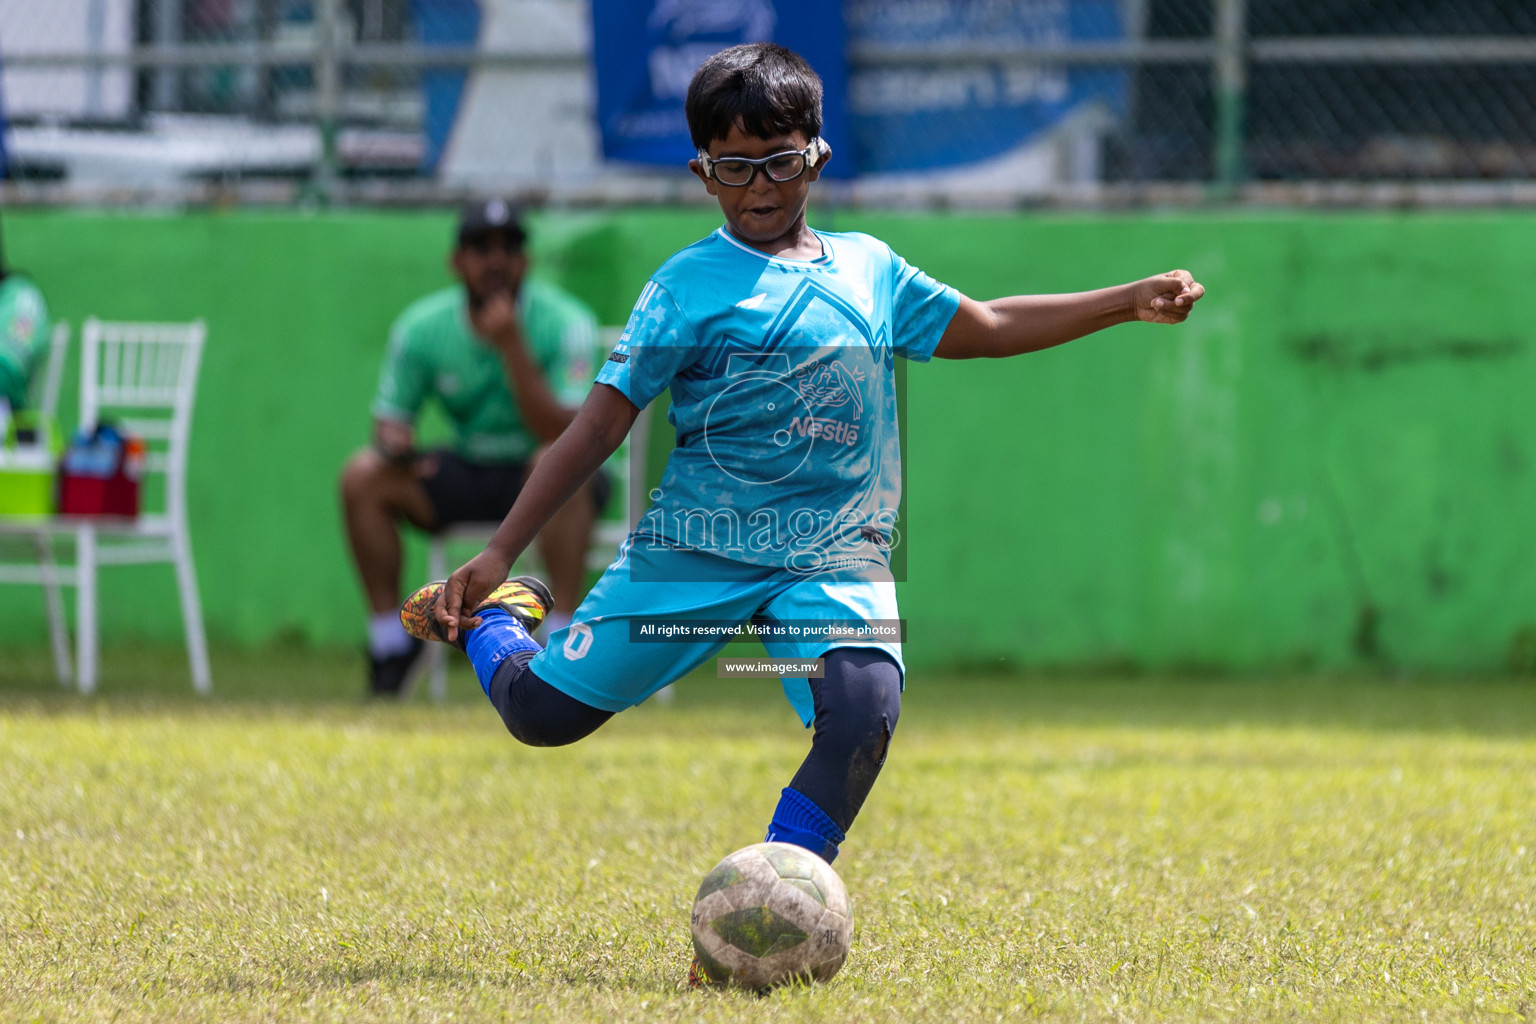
(857, 704)
(536, 713)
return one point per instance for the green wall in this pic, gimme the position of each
(1332, 463)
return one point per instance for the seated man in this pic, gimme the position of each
(508, 358)
(24, 337)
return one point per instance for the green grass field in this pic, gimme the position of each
(1068, 848)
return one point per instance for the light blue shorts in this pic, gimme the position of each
(600, 659)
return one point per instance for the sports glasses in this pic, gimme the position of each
(738, 171)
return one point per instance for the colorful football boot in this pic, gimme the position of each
(522, 597)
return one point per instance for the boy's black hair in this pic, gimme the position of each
(767, 89)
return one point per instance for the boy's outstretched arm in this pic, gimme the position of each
(599, 427)
(1027, 323)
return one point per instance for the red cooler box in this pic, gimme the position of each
(100, 475)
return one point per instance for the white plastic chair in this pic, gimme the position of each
(142, 376)
(626, 468)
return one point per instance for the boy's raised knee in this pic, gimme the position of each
(534, 712)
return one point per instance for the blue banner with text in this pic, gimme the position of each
(933, 114)
(646, 53)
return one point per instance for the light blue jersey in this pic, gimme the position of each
(783, 395)
(779, 502)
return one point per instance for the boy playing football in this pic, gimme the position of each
(778, 504)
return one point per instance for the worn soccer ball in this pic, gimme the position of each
(769, 914)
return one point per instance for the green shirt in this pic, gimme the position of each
(434, 352)
(24, 337)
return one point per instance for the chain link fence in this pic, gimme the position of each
(363, 98)
(1338, 90)
(156, 92)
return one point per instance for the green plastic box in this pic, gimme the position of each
(25, 490)
(26, 470)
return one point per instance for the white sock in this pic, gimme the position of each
(386, 636)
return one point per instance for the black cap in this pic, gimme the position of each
(483, 216)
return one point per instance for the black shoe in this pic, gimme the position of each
(393, 676)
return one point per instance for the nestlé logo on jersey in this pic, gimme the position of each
(829, 386)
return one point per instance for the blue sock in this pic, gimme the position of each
(798, 820)
(489, 643)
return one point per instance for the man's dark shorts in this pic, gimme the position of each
(462, 491)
